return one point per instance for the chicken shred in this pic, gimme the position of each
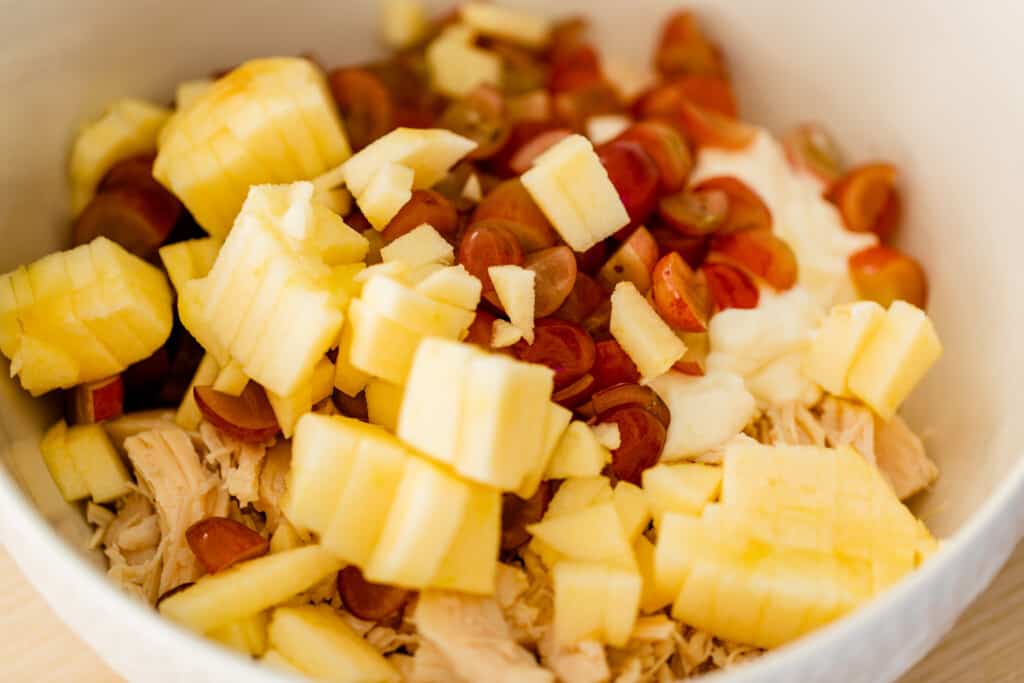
(172, 477)
(239, 463)
(849, 424)
(901, 457)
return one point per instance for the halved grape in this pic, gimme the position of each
(707, 128)
(510, 201)
(684, 49)
(424, 206)
(479, 116)
(694, 213)
(247, 417)
(560, 345)
(364, 103)
(574, 107)
(760, 253)
(367, 600)
(747, 211)
(613, 366)
(517, 514)
(810, 148)
(485, 245)
(692, 249)
(591, 260)
(642, 438)
(885, 274)
(138, 217)
(868, 199)
(574, 394)
(585, 297)
(665, 101)
(574, 66)
(555, 269)
(729, 286)
(628, 394)
(634, 175)
(219, 542)
(680, 294)
(481, 330)
(667, 149)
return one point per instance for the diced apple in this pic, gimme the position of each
(100, 400)
(322, 645)
(593, 534)
(387, 192)
(574, 191)
(606, 127)
(248, 588)
(671, 563)
(593, 601)
(706, 411)
(650, 599)
(348, 378)
(507, 24)
(633, 261)
(61, 465)
(405, 22)
(415, 311)
(188, 92)
(504, 334)
(412, 545)
(231, 379)
(633, 508)
(579, 493)
(684, 488)
(383, 403)
(578, 454)
(333, 240)
(98, 462)
(555, 424)
(323, 453)
(608, 435)
(419, 247)
(514, 286)
(895, 359)
(285, 538)
(429, 153)
(188, 416)
(248, 636)
(380, 346)
(472, 562)
(457, 67)
(643, 335)
(188, 260)
(364, 501)
(453, 286)
(288, 409)
(839, 341)
(42, 366)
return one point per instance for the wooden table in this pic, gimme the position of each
(985, 647)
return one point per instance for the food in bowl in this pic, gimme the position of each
(481, 361)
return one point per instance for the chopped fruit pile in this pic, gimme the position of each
(477, 359)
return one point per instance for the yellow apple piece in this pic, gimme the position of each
(347, 377)
(98, 462)
(318, 642)
(187, 92)
(578, 454)
(383, 403)
(633, 508)
(578, 493)
(507, 24)
(379, 346)
(248, 635)
(189, 259)
(412, 309)
(651, 599)
(557, 420)
(593, 601)
(405, 22)
(471, 564)
(457, 66)
(504, 334)
(285, 538)
(608, 435)
(684, 488)
(248, 588)
(419, 247)
(288, 409)
(59, 463)
(323, 453)
(389, 189)
(643, 335)
(231, 379)
(839, 341)
(593, 534)
(429, 153)
(514, 286)
(453, 285)
(127, 128)
(895, 359)
(333, 240)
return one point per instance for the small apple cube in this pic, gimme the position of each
(388, 191)
(187, 92)
(838, 343)
(378, 347)
(288, 409)
(188, 260)
(650, 599)
(634, 262)
(593, 534)
(643, 335)
(453, 285)
(457, 67)
(405, 22)
(322, 645)
(507, 24)
(574, 191)
(248, 588)
(383, 403)
(895, 359)
(557, 420)
(323, 454)
(333, 240)
(608, 435)
(671, 560)
(98, 462)
(606, 127)
(417, 312)
(514, 286)
(429, 153)
(706, 411)
(248, 636)
(100, 400)
(61, 465)
(578, 454)
(578, 493)
(348, 378)
(633, 508)
(471, 564)
(188, 416)
(504, 334)
(231, 379)
(419, 247)
(684, 488)
(595, 602)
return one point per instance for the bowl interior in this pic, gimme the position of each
(927, 90)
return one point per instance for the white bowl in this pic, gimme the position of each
(929, 86)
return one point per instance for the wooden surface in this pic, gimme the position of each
(985, 647)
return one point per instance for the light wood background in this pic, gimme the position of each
(987, 645)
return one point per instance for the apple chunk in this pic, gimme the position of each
(100, 400)
(633, 261)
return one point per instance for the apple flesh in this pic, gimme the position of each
(633, 261)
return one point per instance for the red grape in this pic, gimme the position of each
(555, 269)
(219, 542)
(585, 297)
(868, 199)
(680, 294)
(667, 149)
(613, 366)
(760, 253)
(517, 513)
(510, 201)
(634, 175)
(562, 346)
(885, 274)
(364, 103)
(368, 600)
(479, 116)
(628, 394)
(248, 417)
(486, 245)
(729, 287)
(425, 206)
(642, 438)
(746, 209)
(138, 217)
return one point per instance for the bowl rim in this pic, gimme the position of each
(19, 516)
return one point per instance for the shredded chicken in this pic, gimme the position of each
(795, 425)
(902, 459)
(239, 463)
(470, 634)
(849, 424)
(584, 662)
(182, 491)
(130, 544)
(273, 483)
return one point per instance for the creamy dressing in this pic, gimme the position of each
(810, 225)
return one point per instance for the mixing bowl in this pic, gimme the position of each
(930, 86)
